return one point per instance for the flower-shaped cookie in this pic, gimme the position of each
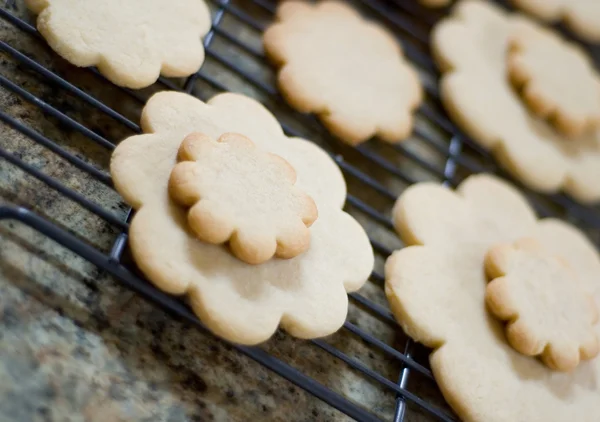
(581, 16)
(537, 293)
(470, 47)
(349, 71)
(235, 192)
(243, 303)
(556, 78)
(437, 287)
(130, 42)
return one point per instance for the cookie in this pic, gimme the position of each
(538, 295)
(243, 303)
(239, 194)
(556, 79)
(581, 16)
(470, 48)
(347, 70)
(131, 43)
(436, 287)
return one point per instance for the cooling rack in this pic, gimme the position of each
(437, 151)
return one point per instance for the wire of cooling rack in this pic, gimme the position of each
(401, 18)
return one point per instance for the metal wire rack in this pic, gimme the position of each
(437, 151)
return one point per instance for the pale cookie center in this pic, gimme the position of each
(555, 78)
(240, 194)
(538, 295)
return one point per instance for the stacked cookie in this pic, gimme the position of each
(544, 130)
(242, 220)
(508, 303)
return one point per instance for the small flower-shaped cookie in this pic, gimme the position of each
(538, 295)
(238, 193)
(556, 78)
(436, 287)
(471, 47)
(581, 16)
(130, 42)
(349, 71)
(305, 295)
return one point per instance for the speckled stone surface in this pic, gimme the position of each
(77, 346)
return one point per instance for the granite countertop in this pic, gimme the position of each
(77, 346)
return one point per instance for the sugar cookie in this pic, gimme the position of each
(436, 288)
(239, 194)
(243, 303)
(349, 71)
(470, 48)
(546, 311)
(556, 78)
(130, 42)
